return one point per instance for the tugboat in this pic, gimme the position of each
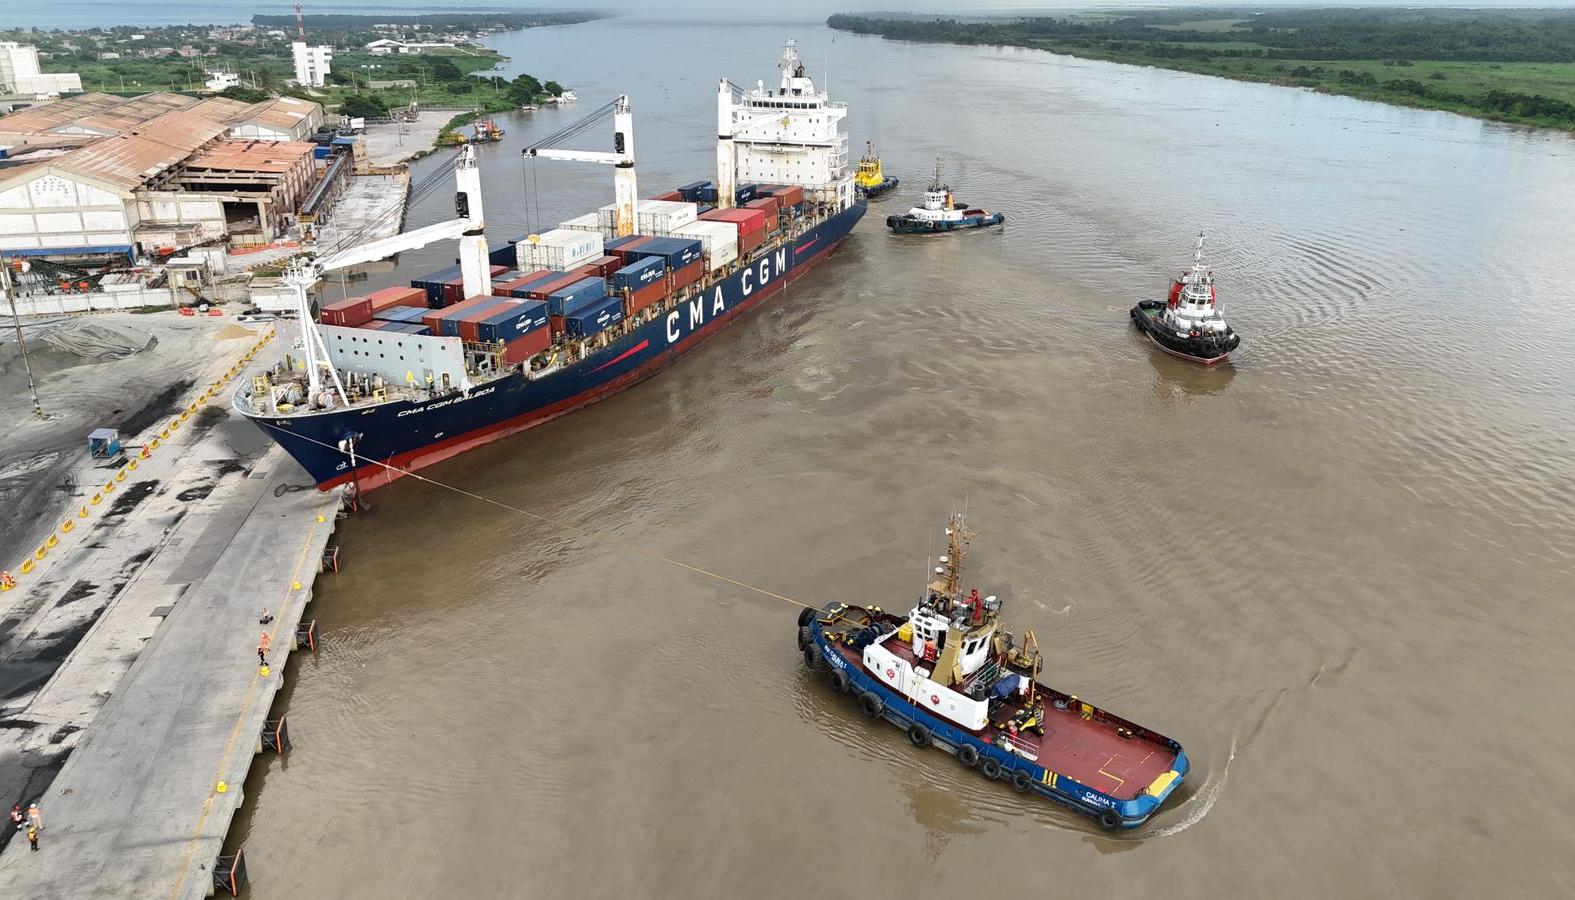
(486, 131)
(941, 213)
(870, 182)
(950, 674)
(1187, 325)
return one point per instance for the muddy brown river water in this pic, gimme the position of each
(1338, 570)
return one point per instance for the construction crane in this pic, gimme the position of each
(467, 227)
(625, 191)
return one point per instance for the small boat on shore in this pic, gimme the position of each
(1187, 325)
(950, 674)
(941, 212)
(870, 182)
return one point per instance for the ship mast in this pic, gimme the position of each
(948, 575)
(1197, 280)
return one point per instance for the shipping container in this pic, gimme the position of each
(693, 190)
(596, 317)
(668, 196)
(391, 297)
(347, 313)
(559, 249)
(751, 227)
(539, 290)
(771, 208)
(465, 325)
(587, 222)
(506, 324)
(503, 255)
(744, 194)
(402, 314)
(677, 251)
(604, 266)
(527, 345)
(432, 283)
(434, 319)
(790, 195)
(660, 217)
(571, 297)
(718, 241)
(684, 277)
(640, 273)
(706, 194)
(517, 287)
(645, 297)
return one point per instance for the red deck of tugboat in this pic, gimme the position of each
(1088, 751)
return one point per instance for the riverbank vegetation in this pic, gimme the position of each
(1505, 65)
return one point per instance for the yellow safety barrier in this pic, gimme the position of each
(26, 566)
(66, 526)
(190, 409)
(185, 414)
(41, 552)
(82, 513)
(6, 586)
(165, 433)
(96, 498)
(132, 465)
(221, 787)
(175, 425)
(109, 487)
(295, 585)
(52, 542)
(121, 475)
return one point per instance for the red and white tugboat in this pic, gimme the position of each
(952, 675)
(1187, 324)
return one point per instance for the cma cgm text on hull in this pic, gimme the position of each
(402, 378)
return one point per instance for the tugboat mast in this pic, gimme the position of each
(948, 575)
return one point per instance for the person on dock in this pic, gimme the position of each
(16, 816)
(32, 838)
(33, 817)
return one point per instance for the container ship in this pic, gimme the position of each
(383, 384)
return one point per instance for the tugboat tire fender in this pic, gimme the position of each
(872, 704)
(839, 680)
(968, 755)
(805, 617)
(1109, 819)
(803, 637)
(918, 735)
(813, 659)
(1021, 782)
(991, 768)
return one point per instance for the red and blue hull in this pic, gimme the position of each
(394, 438)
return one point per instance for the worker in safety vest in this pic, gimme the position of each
(7, 580)
(33, 816)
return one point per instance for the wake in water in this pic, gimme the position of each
(1205, 801)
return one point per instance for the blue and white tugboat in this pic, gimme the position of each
(1187, 325)
(941, 212)
(952, 675)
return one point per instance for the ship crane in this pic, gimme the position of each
(625, 190)
(468, 228)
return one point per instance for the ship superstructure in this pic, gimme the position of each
(518, 334)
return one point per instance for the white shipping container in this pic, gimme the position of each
(608, 216)
(719, 241)
(587, 222)
(662, 216)
(558, 249)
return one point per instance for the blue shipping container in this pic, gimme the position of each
(637, 275)
(678, 252)
(508, 324)
(691, 191)
(706, 195)
(745, 193)
(502, 256)
(433, 283)
(575, 295)
(594, 318)
(609, 247)
(402, 314)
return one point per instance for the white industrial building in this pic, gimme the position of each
(311, 63)
(19, 73)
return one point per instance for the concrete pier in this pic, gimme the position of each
(136, 810)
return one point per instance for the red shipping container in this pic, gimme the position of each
(453, 291)
(670, 195)
(744, 218)
(682, 278)
(769, 205)
(348, 313)
(527, 345)
(471, 318)
(603, 266)
(540, 291)
(555, 324)
(494, 271)
(788, 195)
(749, 241)
(645, 297)
(433, 320)
(390, 297)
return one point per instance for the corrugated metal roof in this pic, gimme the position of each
(130, 160)
(252, 156)
(97, 112)
(284, 112)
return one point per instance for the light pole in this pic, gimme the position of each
(21, 342)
